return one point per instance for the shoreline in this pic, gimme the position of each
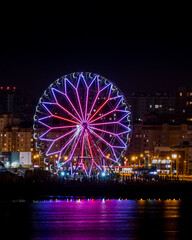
(109, 190)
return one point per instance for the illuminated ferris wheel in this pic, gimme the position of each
(82, 122)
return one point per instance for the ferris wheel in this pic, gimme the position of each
(82, 122)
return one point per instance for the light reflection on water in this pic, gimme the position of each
(96, 219)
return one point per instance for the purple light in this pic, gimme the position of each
(80, 124)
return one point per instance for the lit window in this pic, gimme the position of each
(180, 94)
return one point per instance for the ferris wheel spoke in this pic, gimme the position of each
(126, 115)
(112, 111)
(69, 113)
(107, 157)
(78, 99)
(102, 123)
(102, 130)
(103, 140)
(75, 147)
(88, 140)
(73, 139)
(54, 141)
(110, 123)
(110, 133)
(56, 104)
(96, 98)
(108, 98)
(40, 121)
(65, 95)
(40, 137)
(73, 107)
(63, 127)
(65, 119)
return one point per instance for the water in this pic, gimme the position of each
(96, 219)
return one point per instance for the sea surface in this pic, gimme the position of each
(96, 219)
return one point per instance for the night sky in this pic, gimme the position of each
(147, 49)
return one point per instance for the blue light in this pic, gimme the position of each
(103, 174)
(62, 173)
(153, 173)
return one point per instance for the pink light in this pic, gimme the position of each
(114, 110)
(65, 119)
(102, 130)
(65, 94)
(98, 109)
(82, 149)
(108, 156)
(102, 123)
(97, 97)
(91, 152)
(66, 146)
(79, 103)
(105, 140)
(64, 109)
(75, 146)
(114, 134)
(58, 139)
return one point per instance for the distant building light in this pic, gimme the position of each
(180, 94)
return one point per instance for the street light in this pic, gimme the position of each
(168, 158)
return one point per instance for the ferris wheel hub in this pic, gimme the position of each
(84, 124)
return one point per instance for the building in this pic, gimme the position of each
(15, 138)
(140, 104)
(184, 101)
(146, 137)
(175, 160)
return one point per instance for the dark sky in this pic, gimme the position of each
(140, 49)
